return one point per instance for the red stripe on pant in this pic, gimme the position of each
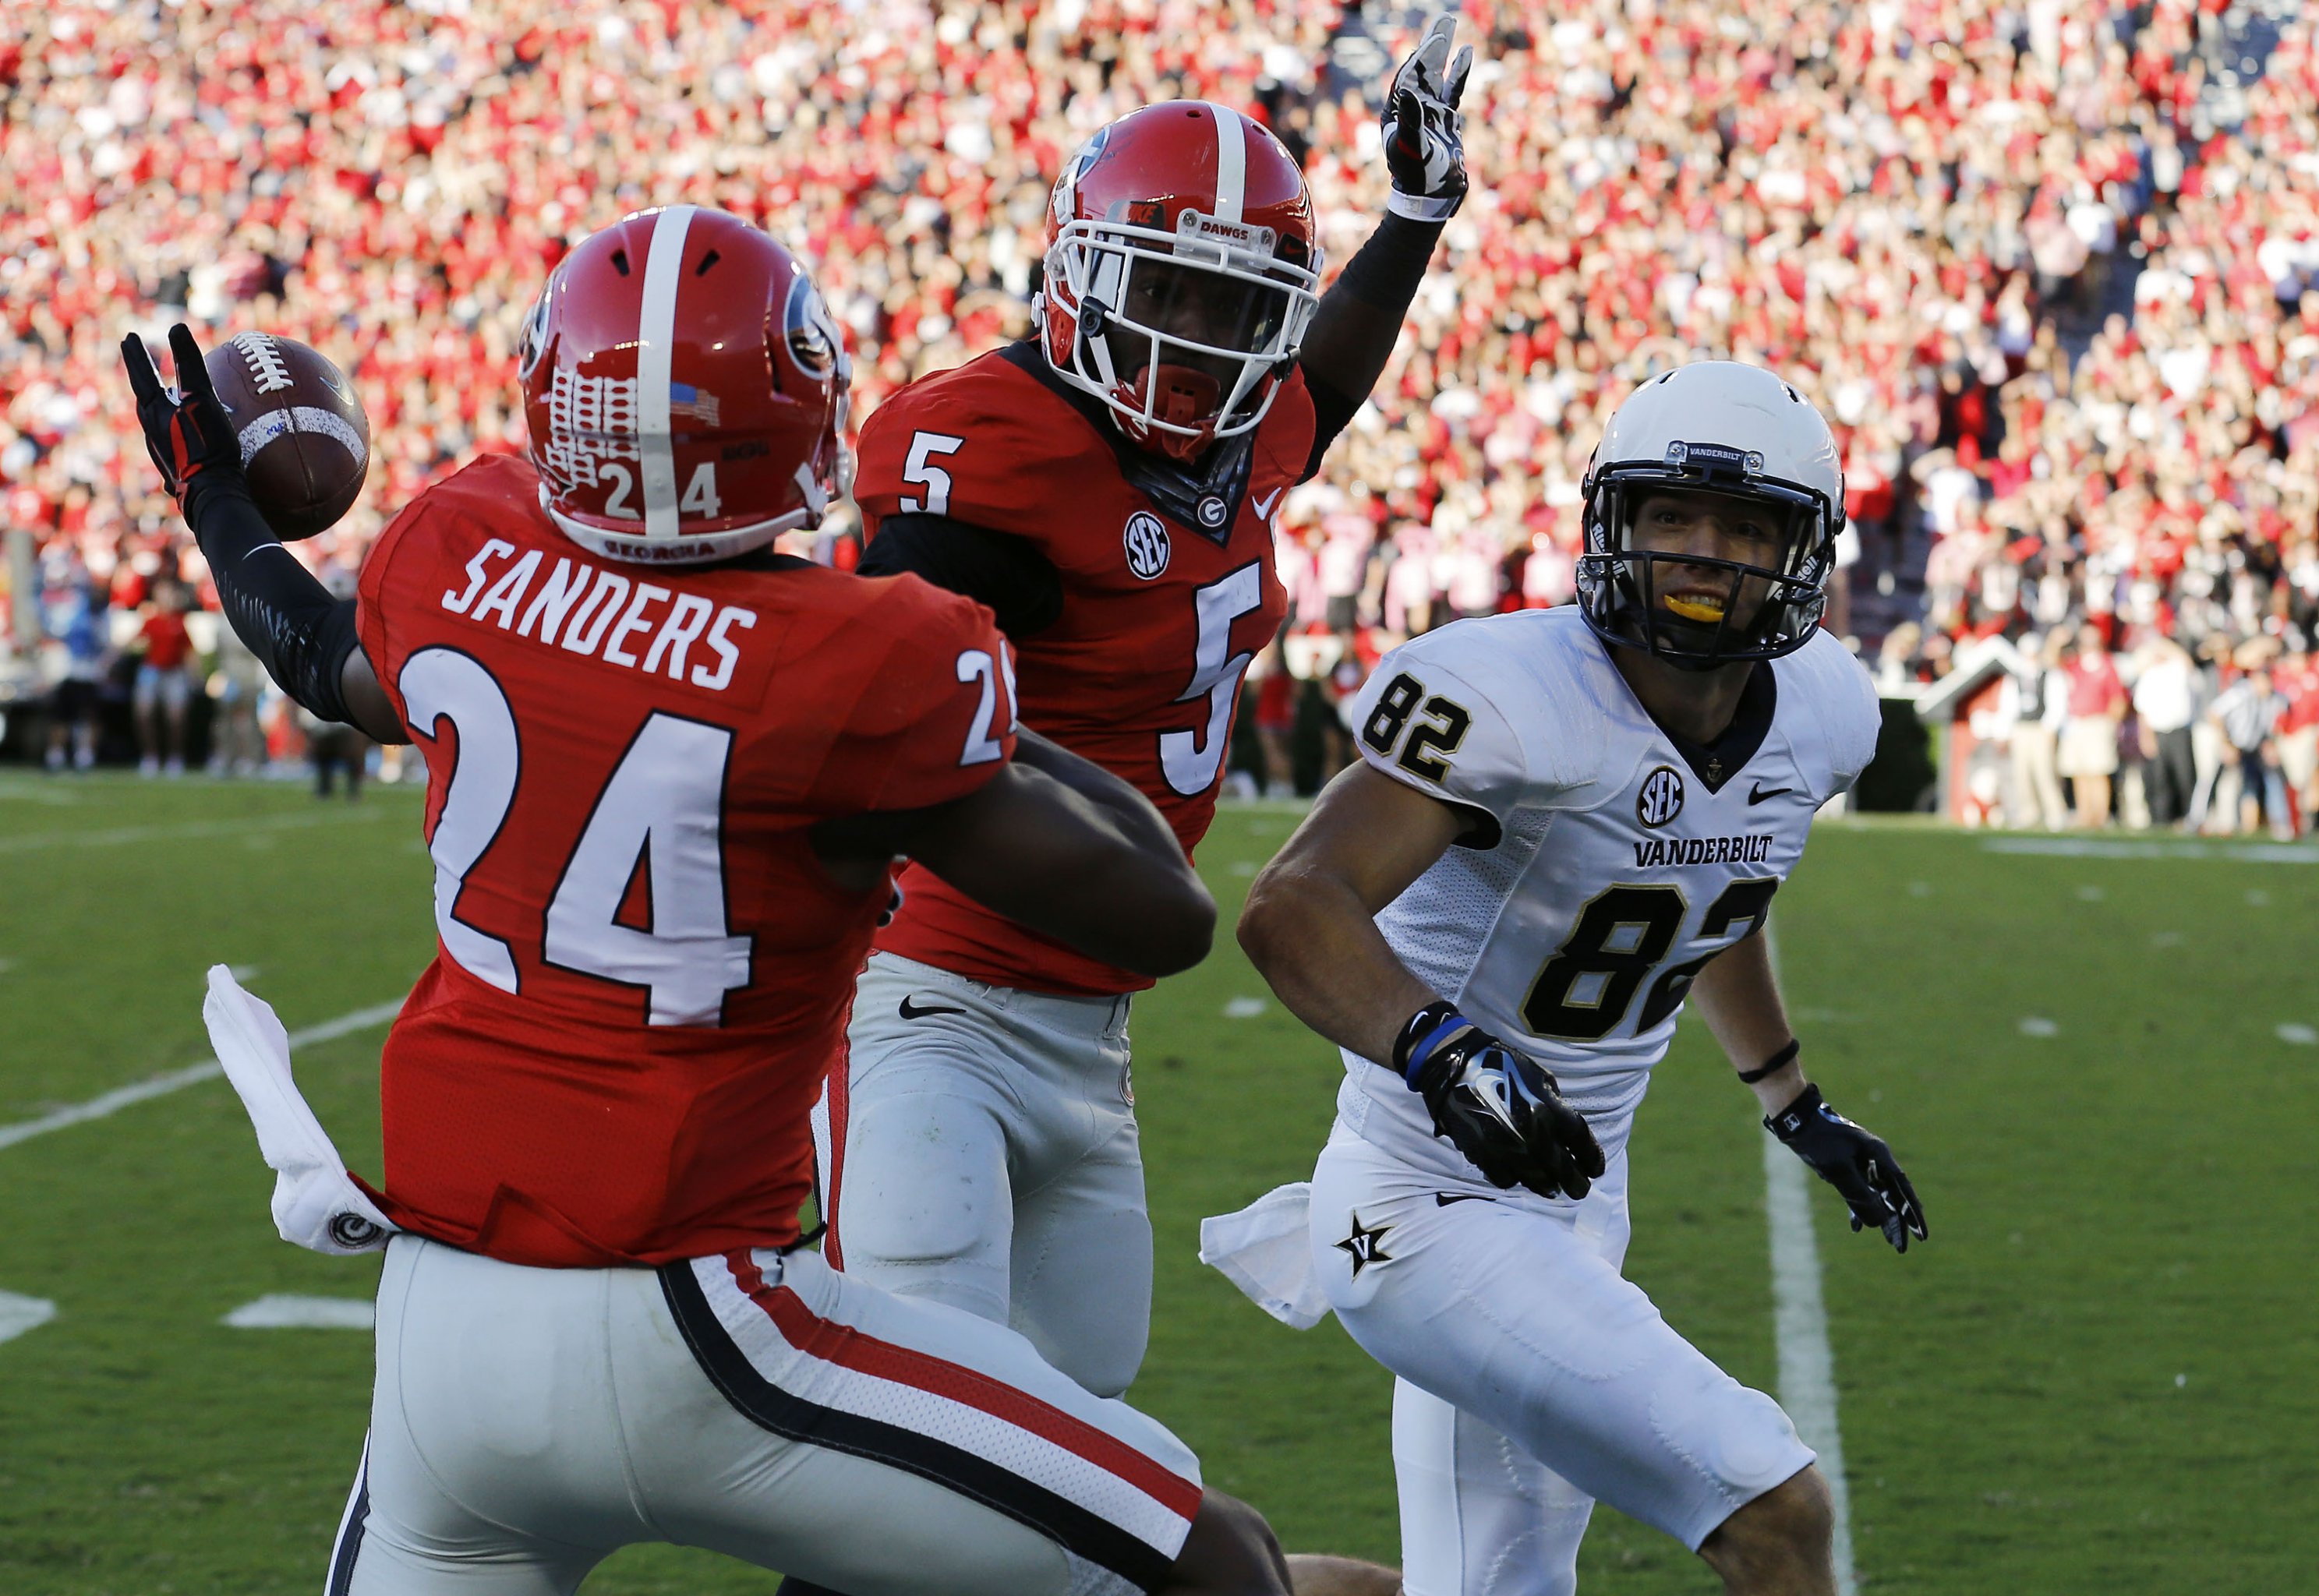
(856, 1349)
(838, 1087)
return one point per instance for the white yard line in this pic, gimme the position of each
(1800, 1315)
(21, 1313)
(277, 1311)
(160, 1086)
(188, 830)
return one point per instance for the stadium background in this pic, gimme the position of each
(2053, 271)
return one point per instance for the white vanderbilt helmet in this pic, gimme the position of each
(1716, 426)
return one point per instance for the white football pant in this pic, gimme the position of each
(1533, 1379)
(978, 1148)
(526, 1423)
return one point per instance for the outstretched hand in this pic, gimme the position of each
(1423, 148)
(187, 429)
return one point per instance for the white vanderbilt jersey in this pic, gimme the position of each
(1605, 863)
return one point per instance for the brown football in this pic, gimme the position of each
(305, 442)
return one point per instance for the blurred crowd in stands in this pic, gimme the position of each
(2052, 269)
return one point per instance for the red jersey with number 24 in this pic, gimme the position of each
(1159, 620)
(643, 972)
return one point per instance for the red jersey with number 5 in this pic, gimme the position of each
(642, 974)
(1160, 615)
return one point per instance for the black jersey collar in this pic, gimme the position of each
(1717, 762)
(1206, 499)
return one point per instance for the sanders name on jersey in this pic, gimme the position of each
(581, 603)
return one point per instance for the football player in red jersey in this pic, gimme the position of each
(1108, 487)
(669, 774)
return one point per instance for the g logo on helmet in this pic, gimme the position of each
(1661, 799)
(1148, 549)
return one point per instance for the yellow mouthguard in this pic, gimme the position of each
(1697, 609)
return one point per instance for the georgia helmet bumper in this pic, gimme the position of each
(1181, 271)
(685, 390)
(1730, 429)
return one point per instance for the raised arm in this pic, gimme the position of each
(303, 637)
(1359, 318)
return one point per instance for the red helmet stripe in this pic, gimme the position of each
(655, 353)
(1232, 161)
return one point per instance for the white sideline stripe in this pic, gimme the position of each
(1799, 1316)
(161, 1085)
(281, 1311)
(186, 830)
(655, 369)
(21, 1313)
(1232, 161)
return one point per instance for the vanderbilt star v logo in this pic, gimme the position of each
(1363, 1246)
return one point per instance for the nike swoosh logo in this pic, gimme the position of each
(1757, 794)
(1443, 1199)
(1264, 505)
(908, 1012)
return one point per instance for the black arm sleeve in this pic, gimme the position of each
(1358, 321)
(299, 632)
(998, 569)
(1332, 412)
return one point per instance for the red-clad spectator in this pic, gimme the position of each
(1912, 209)
(2097, 706)
(2296, 678)
(165, 683)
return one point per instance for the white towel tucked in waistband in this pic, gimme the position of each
(1266, 1250)
(315, 1204)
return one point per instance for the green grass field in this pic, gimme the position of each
(2101, 1376)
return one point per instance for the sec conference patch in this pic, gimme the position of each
(1364, 1246)
(1146, 538)
(1661, 799)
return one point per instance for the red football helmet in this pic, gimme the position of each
(1181, 262)
(685, 388)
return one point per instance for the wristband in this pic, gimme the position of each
(1774, 1064)
(1424, 1032)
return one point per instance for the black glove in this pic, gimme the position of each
(1855, 1163)
(1422, 150)
(186, 430)
(1496, 1106)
